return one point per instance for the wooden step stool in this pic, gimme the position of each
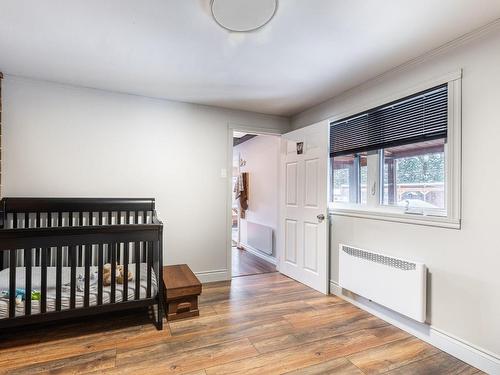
(182, 289)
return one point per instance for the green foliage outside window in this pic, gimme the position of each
(421, 169)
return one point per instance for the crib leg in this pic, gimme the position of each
(159, 322)
(159, 315)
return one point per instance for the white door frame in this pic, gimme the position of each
(232, 127)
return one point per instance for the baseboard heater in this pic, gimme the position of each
(260, 237)
(395, 283)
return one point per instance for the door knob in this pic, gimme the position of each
(321, 217)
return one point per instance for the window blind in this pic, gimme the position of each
(419, 117)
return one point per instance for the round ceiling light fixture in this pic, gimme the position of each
(243, 15)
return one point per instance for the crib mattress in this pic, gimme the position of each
(65, 290)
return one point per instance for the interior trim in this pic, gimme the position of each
(430, 221)
(212, 276)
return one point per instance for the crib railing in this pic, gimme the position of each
(46, 233)
(59, 212)
(48, 212)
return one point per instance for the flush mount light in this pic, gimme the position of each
(243, 15)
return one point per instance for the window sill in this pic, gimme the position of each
(385, 215)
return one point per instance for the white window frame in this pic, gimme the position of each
(453, 160)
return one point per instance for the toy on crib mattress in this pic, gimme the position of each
(120, 274)
(21, 295)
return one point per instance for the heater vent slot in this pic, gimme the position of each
(381, 259)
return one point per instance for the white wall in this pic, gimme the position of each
(464, 265)
(66, 141)
(262, 162)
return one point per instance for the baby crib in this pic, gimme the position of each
(54, 251)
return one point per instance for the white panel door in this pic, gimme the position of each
(304, 250)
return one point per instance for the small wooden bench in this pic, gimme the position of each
(182, 289)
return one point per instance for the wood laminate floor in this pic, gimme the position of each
(245, 263)
(262, 324)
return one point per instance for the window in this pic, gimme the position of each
(396, 159)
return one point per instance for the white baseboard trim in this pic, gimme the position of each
(258, 253)
(477, 357)
(211, 276)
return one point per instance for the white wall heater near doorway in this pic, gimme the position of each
(260, 237)
(395, 283)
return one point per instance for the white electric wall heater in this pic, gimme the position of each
(397, 284)
(260, 237)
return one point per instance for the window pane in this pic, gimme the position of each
(349, 177)
(343, 172)
(414, 175)
(363, 166)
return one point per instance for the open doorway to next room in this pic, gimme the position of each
(255, 203)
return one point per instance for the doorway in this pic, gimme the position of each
(254, 203)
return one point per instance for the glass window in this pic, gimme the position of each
(363, 179)
(349, 178)
(343, 172)
(414, 176)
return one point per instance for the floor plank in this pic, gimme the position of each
(259, 324)
(340, 366)
(441, 363)
(393, 355)
(86, 363)
(184, 361)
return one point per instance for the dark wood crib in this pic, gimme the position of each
(53, 253)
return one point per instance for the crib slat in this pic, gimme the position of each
(91, 218)
(14, 218)
(136, 217)
(86, 293)
(80, 256)
(12, 283)
(118, 217)
(100, 263)
(100, 217)
(37, 221)
(110, 216)
(113, 272)
(49, 256)
(43, 281)
(128, 217)
(144, 251)
(108, 254)
(72, 297)
(70, 219)
(118, 253)
(37, 257)
(149, 265)
(60, 219)
(26, 220)
(126, 250)
(49, 219)
(58, 277)
(80, 219)
(137, 251)
(27, 284)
